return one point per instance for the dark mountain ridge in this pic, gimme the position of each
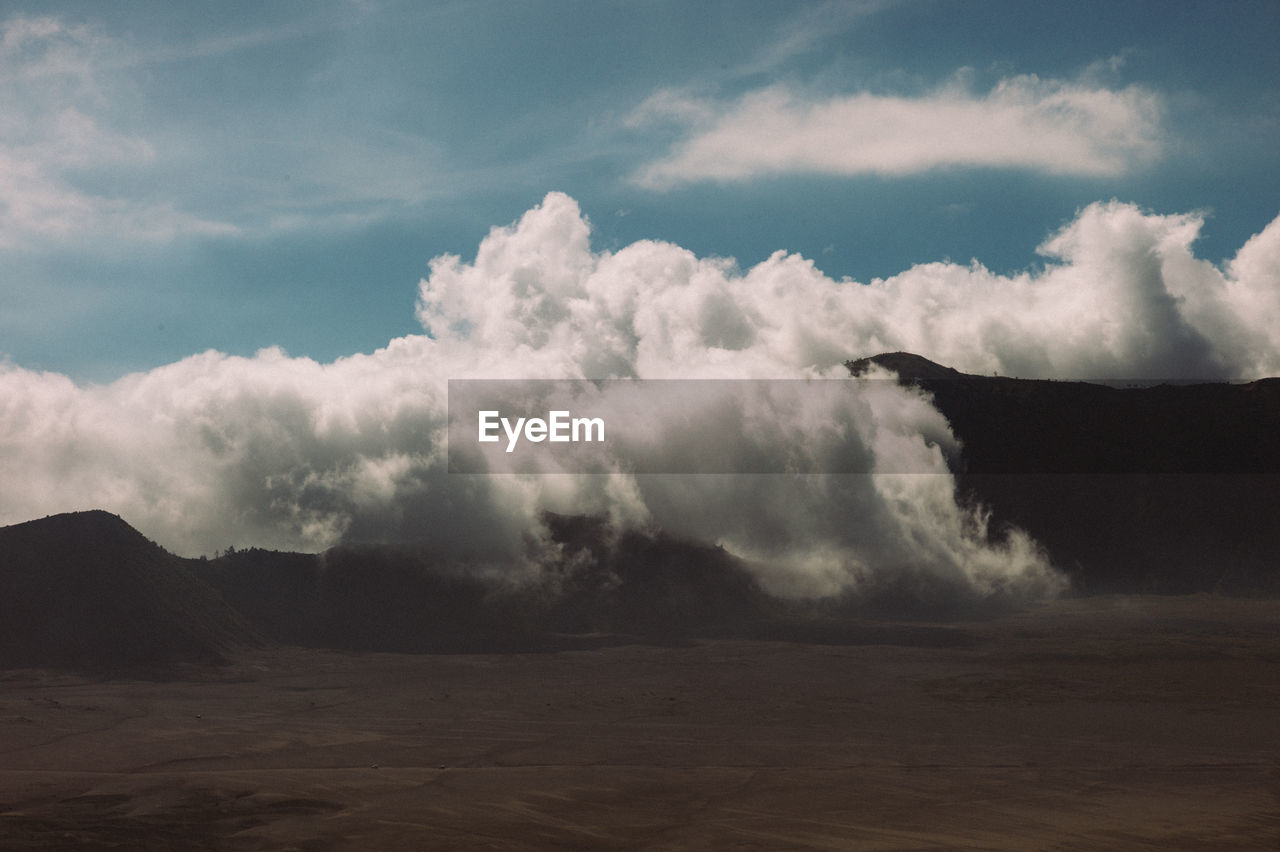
(1011, 425)
(1164, 488)
(85, 589)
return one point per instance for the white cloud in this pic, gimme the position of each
(285, 452)
(1123, 295)
(1024, 122)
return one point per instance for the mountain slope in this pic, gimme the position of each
(1165, 488)
(85, 589)
(1035, 426)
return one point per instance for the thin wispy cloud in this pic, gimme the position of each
(47, 45)
(85, 159)
(41, 47)
(235, 42)
(810, 28)
(1024, 122)
(52, 130)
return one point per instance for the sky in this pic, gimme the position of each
(244, 248)
(234, 176)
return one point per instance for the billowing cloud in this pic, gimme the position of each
(1122, 294)
(289, 453)
(1024, 122)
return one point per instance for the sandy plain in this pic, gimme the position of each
(1134, 722)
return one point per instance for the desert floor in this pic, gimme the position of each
(1082, 724)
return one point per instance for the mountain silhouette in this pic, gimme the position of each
(1161, 488)
(1011, 425)
(85, 589)
(908, 366)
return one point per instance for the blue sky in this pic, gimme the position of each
(175, 178)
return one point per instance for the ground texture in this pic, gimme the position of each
(1084, 724)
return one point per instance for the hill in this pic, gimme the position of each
(85, 589)
(1166, 488)
(1011, 425)
(387, 598)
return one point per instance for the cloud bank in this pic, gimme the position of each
(1024, 122)
(285, 452)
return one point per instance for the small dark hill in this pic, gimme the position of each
(86, 590)
(651, 583)
(608, 587)
(371, 598)
(1166, 488)
(385, 598)
(909, 367)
